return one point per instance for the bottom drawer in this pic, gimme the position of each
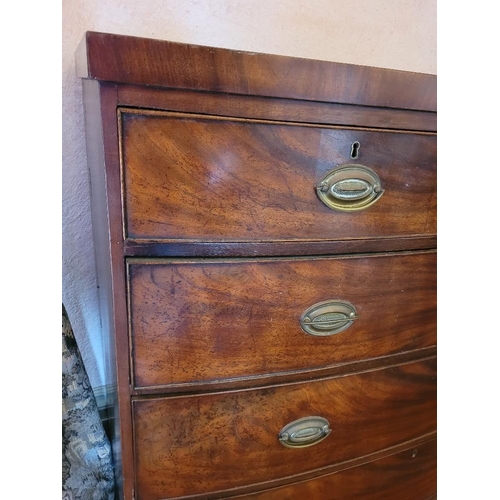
(191, 445)
(408, 475)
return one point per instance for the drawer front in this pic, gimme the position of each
(215, 320)
(197, 444)
(409, 475)
(189, 177)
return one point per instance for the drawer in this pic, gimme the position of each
(197, 444)
(408, 475)
(189, 177)
(219, 320)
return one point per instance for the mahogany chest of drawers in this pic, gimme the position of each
(265, 232)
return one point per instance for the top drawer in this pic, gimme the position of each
(189, 177)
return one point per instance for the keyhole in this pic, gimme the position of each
(355, 149)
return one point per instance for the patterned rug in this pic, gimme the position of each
(87, 470)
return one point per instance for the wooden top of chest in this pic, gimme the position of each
(143, 61)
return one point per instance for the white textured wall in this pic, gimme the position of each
(398, 34)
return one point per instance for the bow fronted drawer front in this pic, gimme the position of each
(201, 444)
(233, 180)
(411, 470)
(213, 321)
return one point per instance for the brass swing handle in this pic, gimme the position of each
(304, 432)
(328, 318)
(349, 187)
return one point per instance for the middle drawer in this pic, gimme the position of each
(213, 321)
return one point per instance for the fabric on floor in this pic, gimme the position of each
(87, 470)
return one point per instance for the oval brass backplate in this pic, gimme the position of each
(349, 187)
(328, 317)
(304, 432)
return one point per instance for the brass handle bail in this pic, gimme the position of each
(349, 187)
(304, 432)
(328, 317)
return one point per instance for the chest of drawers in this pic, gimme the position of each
(265, 233)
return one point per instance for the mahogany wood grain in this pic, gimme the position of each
(407, 475)
(176, 248)
(267, 108)
(224, 319)
(192, 177)
(197, 444)
(159, 63)
(256, 381)
(103, 160)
